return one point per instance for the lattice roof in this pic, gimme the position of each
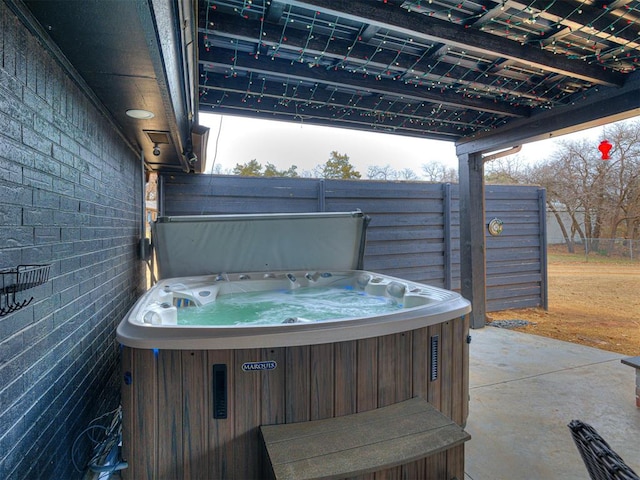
(426, 68)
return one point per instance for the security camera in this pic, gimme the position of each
(156, 150)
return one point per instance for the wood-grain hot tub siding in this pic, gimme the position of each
(169, 430)
(193, 398)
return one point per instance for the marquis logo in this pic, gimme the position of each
(255, 366)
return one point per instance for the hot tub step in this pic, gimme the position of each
(360, 443)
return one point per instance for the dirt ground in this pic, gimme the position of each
(594, 303)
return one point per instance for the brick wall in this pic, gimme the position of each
(70, 194)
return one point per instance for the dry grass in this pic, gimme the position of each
(594, 303)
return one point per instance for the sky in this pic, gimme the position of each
(238, 140)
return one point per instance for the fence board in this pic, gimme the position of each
(407, 236)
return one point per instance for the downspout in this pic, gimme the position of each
(503, 153)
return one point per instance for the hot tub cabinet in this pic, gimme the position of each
(195, 396)
(171, 398)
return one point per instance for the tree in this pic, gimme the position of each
(622, 188)
(271, 171)
(337, 166)
(437, 172)
(509, 170)
(554, 177)
(250, 169)
(407, 174)
(375, 172)
(600, 197)
(254, 169)
(218, 169)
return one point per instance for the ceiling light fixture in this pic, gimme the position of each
(140, 114)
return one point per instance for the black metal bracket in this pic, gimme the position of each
(18, 279)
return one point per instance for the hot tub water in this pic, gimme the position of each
(287, 306)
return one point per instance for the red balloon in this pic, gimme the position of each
(605, 147)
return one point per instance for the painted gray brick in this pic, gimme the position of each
(2, 15)
(9, 256)
(65, 154)
(10, 348)
(65, 186)
(34, 102)
(63, 249)
(9, 393)
(10, 215)
(8, 443)
(15, 152)
(37, 179)
(15, 236)
(37, 216)
(86, 207)
(11, 172)
(47, 129)
(12, 324)
(21, 58)
(35, 332)
(46, 164)
(37, 254)
(69, 219)
(36, 140)
(33, 65)
(66, 159)
(43, 306)
(69, 144)
(46, 199)
(10, 26)
(9, 84)
(69, 264)
(46, 235)
(10, 127)
(16, 194)
(11, 103)
(57, 92)
(71, 233)
(69, 295)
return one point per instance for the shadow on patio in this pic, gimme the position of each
(524, 391)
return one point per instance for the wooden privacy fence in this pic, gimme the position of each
(415, 226)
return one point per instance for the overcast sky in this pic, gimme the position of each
(238, 140)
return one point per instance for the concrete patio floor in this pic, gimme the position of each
(525, 389)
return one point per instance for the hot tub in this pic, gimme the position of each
(259, 310)
(317, 336)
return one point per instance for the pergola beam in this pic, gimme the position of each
(236, 96)
(418, 69)
(435, 30)
(339, 78)
(601, 106)
(598, 20)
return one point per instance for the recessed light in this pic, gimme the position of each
(140, 114)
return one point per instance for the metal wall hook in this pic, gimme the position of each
(14, 280)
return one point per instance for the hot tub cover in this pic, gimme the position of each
(212, 244)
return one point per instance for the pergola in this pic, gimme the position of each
(488, 75)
